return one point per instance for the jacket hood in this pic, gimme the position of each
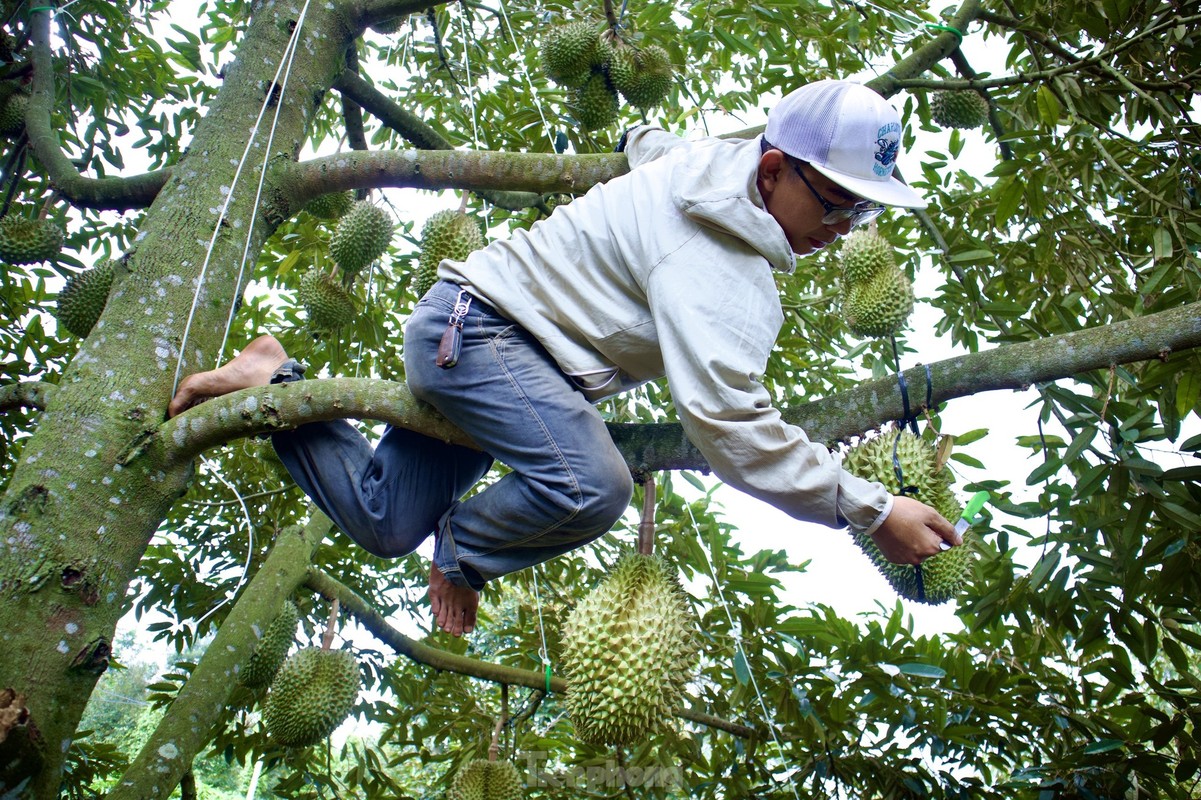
(715, 185)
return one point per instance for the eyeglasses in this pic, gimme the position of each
(859, 214)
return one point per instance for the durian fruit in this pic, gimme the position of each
(446, 234)
(313, 692)
(260, 669)
(328, 303)
(943, 575)
(569, 52)
(629, 648)
(330, 206)
(361, 237)
(877, 296)
(650, 80)
(480, 779)
(12, 114)
(29, 241)
(83, 297)
(959, 109)
(595, 103)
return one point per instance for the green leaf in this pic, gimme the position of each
(742, 671)
(922, 670)
(1188, 392)
(1049, 107)
(1161, 244)
(1104, 746)
(1044, 471)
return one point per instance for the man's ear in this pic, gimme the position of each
(772, 166)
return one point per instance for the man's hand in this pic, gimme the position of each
(913, 532)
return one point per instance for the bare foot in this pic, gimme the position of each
(454, 606)
(252, 367)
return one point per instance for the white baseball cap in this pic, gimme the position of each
(848, 133)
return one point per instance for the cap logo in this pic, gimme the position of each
(888, 143)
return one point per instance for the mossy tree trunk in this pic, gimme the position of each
(89, 494)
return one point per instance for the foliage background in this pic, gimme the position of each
(1073, 672)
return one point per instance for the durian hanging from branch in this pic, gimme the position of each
(877, 296)
(926, 478)
(597, 62)
(630, 647)
(312, 693)
(449, 234)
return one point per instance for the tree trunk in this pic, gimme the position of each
(88, 495)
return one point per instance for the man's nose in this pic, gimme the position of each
(842, 227)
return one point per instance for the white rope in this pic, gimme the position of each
(249, 540)
(290, 58)
(767, 715)
(526, 74)
(289, 50)
(475, 127)
(543, 654)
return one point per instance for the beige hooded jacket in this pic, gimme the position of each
(667, 271)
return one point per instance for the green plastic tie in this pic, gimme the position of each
(548, 677)
(946, 29)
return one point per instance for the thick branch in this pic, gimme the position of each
(478, 171)
(31, 394)
(375, 622)
(929, 54)
(187, 725)
(117, 194)
(664, 446)
(416, 131)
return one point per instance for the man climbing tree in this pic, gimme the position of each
(512, 345)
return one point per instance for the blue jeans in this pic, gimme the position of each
(567, 486)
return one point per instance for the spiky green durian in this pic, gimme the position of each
(864, 253)
(361, 237)
(943, 575)
(569, 52)
(313, 692)
(12, 114)
(272, 649)
(595, 104)
(959, 109)
(446, 234)
(877, 297)
(879, 306)
(480, 779)
(83, 297)
(629, 648)
(651, 80)
(621, 64)
(331, 206)
(29, 241)
(328, 303)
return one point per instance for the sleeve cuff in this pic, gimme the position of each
(879, 520)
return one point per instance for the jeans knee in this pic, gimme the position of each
(607, 499)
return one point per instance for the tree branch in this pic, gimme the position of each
(478, 171)
(186, 727)
(378, 625)
(664, 446)
(117, 194)
(416, 131)
(30, 394)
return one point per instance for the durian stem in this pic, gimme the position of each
(327, 639)
(611, 17)
(463, 203)
(646, 527)
(501, 721)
